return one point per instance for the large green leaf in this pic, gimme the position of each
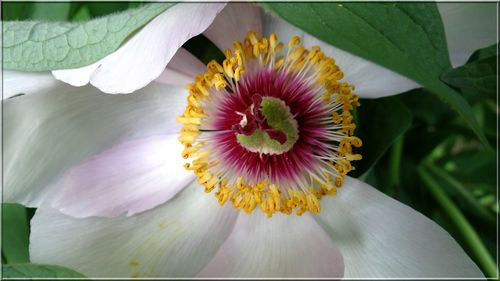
(378, 134)
(405, 37)
(29, 270)
(15, 233)
(41, 46)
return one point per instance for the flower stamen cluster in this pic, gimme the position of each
(268, 130)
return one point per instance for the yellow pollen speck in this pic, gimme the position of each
(134, 263)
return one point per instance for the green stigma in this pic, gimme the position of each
(278, 117)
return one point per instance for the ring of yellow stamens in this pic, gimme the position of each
(265, 195)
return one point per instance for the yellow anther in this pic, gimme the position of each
(239, 182)
(279, 48)
(252, 36)
(215, 66)
(336, 118)
(219, 81)
(228, 67)
(279, 63)
(240, 57)
(228, 54)
(293, 42)
(240, 70)
(188, 150)
(204, 177)
(353, 157)
(264, 44)
(356, 141)
(273, 41)
(187, 139)
(193, 101)
(349, 129)
(210, 185)
(202, 88)
(188, 120)
(256, 50)
(339, 181)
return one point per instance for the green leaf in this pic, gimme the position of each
(483, 53)
(42, 46)
(478, 77)
(378, 134)
(15, 233)
(101, 9)
(15, 11)
(405, 37)
(29, 270)
(50, 11)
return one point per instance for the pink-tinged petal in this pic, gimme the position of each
(380, 237)
(371, 80)
(144, 57)
(48, 132)
(468, 27)
(128, 178)
(281, 246)
(16, 82)
(182, 69)
(176, 239)
(233, 23)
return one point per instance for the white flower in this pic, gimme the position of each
(101, 167)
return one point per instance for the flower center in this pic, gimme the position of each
(270, 129)
(267, 126)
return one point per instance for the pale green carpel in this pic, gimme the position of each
(278, 116)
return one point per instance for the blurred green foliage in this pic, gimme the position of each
(412, 131)
(54, 11)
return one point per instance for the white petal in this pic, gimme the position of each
(381, 237)
(233, 23)
(281, 246)
(468, 27)
(371, 80)
(128, 178)
(182, 69)
(77, 76)
(16, 82)
(47, 133)
(176, 239)
(144, 57)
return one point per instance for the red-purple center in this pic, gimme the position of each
(241, 113)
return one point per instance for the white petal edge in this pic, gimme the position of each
(144, 57)
(281, 247)
(17, 82)
(468, 27)
(380, 237)
(233, 23)
(46, 133)
(371, 80)
(176, 239)
(128, 178)
(182, 69)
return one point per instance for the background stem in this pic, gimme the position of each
(395, 166)
(472, 239)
